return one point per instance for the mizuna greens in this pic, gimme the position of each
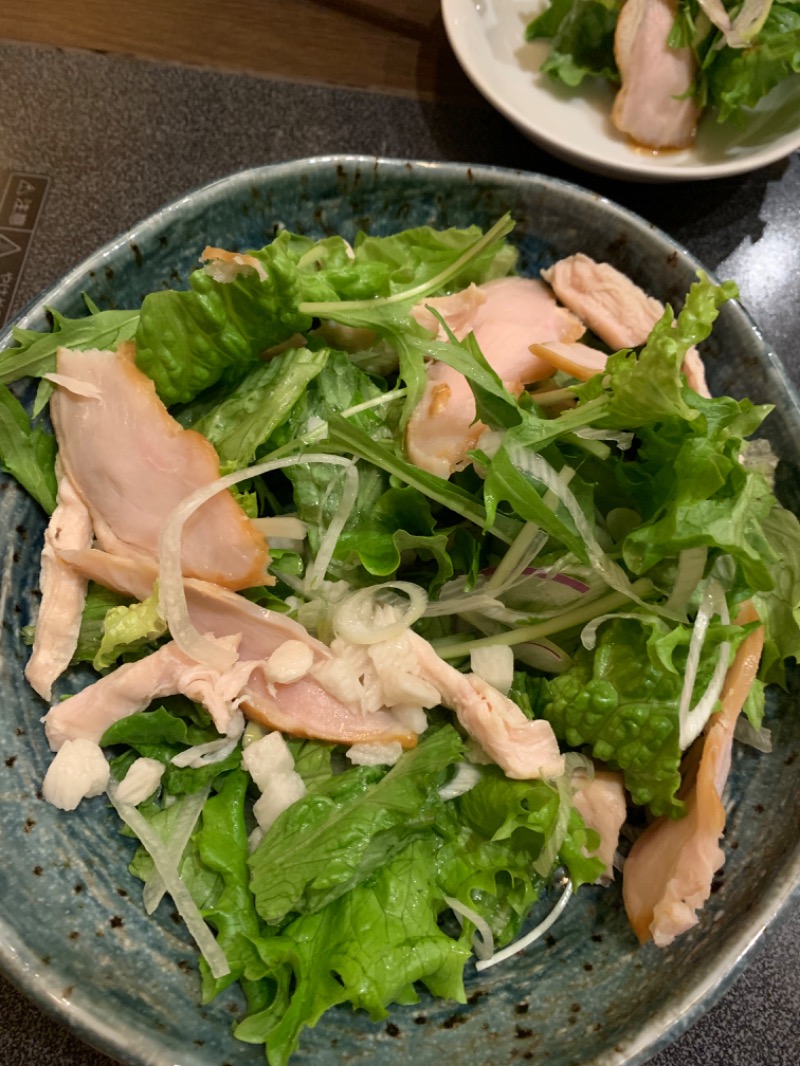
(585, 536)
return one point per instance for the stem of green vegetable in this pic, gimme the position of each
(574, 617)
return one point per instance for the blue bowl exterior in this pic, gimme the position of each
(73, 935)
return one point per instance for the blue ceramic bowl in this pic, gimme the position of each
(73, 934)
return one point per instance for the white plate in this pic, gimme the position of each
(488, 37)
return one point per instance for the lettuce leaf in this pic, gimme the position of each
(369, 947)
(621, 700)
(129, 628)
(328, 842)
(582, 33)
(779, 606)
(27, 452)
(247, 416)
(187, 341)
(737, 78)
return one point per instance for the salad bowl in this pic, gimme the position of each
(73, 933)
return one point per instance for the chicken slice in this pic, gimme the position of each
(654, 106)
(614, 308)
(63, 591)
(132, 464)
(506, 315)
(611, 305)
(300, 708)
(133, 686)
(667, 876)
(132, 575)
(303, 707)
(600, 801)
(522, 748)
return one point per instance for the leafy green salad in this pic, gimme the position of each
(742, 50)
(583, 534)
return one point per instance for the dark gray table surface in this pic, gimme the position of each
(118, 138)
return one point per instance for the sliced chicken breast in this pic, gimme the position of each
(615, 309)
(131, 463)
(524, 749)
(63, 591)
(300, 708)
(601, 803)
(653, 106)
(608, 302)
(667, 875)
(506, 315)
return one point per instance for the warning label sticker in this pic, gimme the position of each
(21, 201)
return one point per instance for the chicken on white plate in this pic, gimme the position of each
(654, 106)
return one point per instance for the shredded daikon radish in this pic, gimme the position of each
(172, 597)
(182, 829)
(529, 938)
(483, 938)
(163, 857)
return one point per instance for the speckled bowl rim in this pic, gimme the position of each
(43, 985)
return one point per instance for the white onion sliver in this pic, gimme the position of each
(543, 655)
(614, 576)
(483, 940)
(205, 754)
(182, 829)
(357, 618)
(315, 574)
(547, 856)
(467, 776)
(691, 566)
(529, 938)
(172, 597)
(284, 527)
(717, 14)
(622, 438)
(589, 631)
(760, 739)
(181, 897)
(751, 17)
(692, 722)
